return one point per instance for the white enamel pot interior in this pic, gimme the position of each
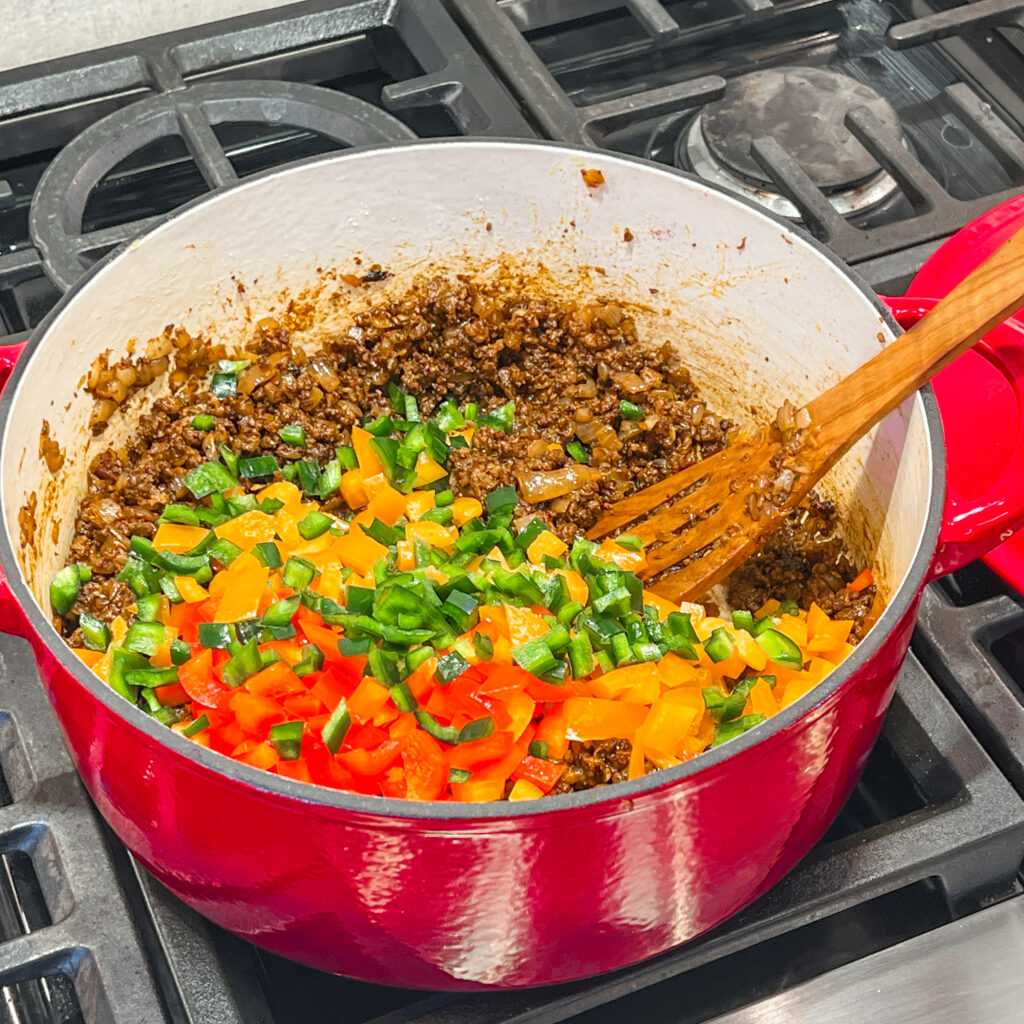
(759, 312)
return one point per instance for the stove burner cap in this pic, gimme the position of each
(803, 109)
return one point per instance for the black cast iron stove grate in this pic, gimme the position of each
(983, 673)
(642, 77)
(142, 127)
(933, 831)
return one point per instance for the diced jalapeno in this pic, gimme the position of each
(286, 739)
(336, 727)
(293, 433)
(478, 729)
(719, 645)
(95, 634)
(780, 648)
(195, 727)
(257, 466)
(65, 586)
(209, 478)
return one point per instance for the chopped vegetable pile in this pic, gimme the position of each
(429, 647)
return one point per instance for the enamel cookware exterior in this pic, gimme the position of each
(452, 896)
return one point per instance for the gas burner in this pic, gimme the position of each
(59, 202)
(804, 110)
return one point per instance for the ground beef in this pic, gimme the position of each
(804, 561)
(595, 763)
(567, 368)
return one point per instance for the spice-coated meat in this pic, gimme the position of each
(566, 367)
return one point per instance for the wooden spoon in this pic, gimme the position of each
(725, 507)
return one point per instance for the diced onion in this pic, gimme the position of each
(631, 383)
(598, 435)
(543, 486)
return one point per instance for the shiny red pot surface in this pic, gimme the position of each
(455, 896)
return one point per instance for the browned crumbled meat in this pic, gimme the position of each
(566, 368)
(804, 561)
(596, 763)
(104, 598)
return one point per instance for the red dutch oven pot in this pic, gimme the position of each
(452, 896)
(978, 403)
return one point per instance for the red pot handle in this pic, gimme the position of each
(971, 528)
(12, 619)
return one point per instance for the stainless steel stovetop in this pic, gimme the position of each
(911, 908)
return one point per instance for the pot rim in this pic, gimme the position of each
(390, 807)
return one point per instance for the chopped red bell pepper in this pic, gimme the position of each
(371, 762)
(426, 767)
(543, 774)
(196, 679)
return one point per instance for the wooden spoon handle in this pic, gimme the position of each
(985, 298)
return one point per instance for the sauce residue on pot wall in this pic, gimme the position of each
(49, 450)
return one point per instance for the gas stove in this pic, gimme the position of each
(917, 127)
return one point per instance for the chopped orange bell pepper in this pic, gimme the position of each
(668, 723)
(464, 509)
(259, 755)
(676, 671)
(248, 529)
(478, 792)
(551, 729)
(330, 582)
(827, 635)
(520, 708)
(752, 653)
(864, 580)
(761, 700)
(353, 489)
(434, 534)
(297, 770)
(524, 790)
(405, 558)
(387, 505)
(172, 695)
(794, 628)
(283, 491)
(578, 589)
(419, 502)
(246, 581)
(523, 625)
(546, 543)
(663, 606)
(796, 686)
(323, 636)
(178, 538)
(358, 551)
(88, 658)
(631, 561)
(367, 458)
(590, 718)
(427, 470)
(637, 683)
(191, 592)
